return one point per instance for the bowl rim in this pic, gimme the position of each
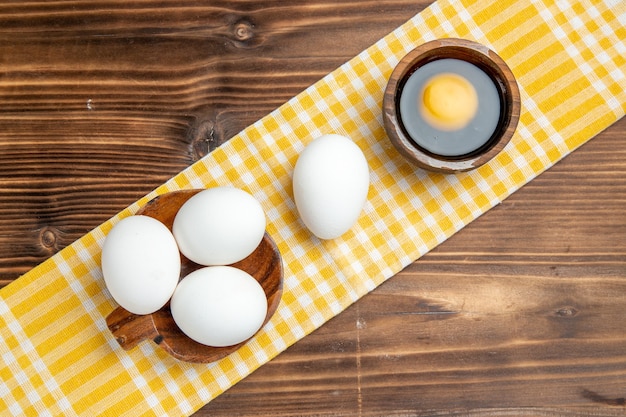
(475, 53)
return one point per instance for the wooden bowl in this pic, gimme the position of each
(474, 53)
(264, 264)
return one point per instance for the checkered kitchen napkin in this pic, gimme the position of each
(58, 358)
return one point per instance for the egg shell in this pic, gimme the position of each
(140, 264)
(330, 185)
(219, 226)
(219, 306)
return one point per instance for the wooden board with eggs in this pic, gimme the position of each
(195, 270)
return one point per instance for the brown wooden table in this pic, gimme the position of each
(521, 313)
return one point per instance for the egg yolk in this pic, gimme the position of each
(449, 101)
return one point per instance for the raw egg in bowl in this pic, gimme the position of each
(451, 105)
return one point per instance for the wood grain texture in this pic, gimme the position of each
(521, 313)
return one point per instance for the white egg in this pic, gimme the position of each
(330, 184)
(141, 264)
(219, 226)
(219, 306)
